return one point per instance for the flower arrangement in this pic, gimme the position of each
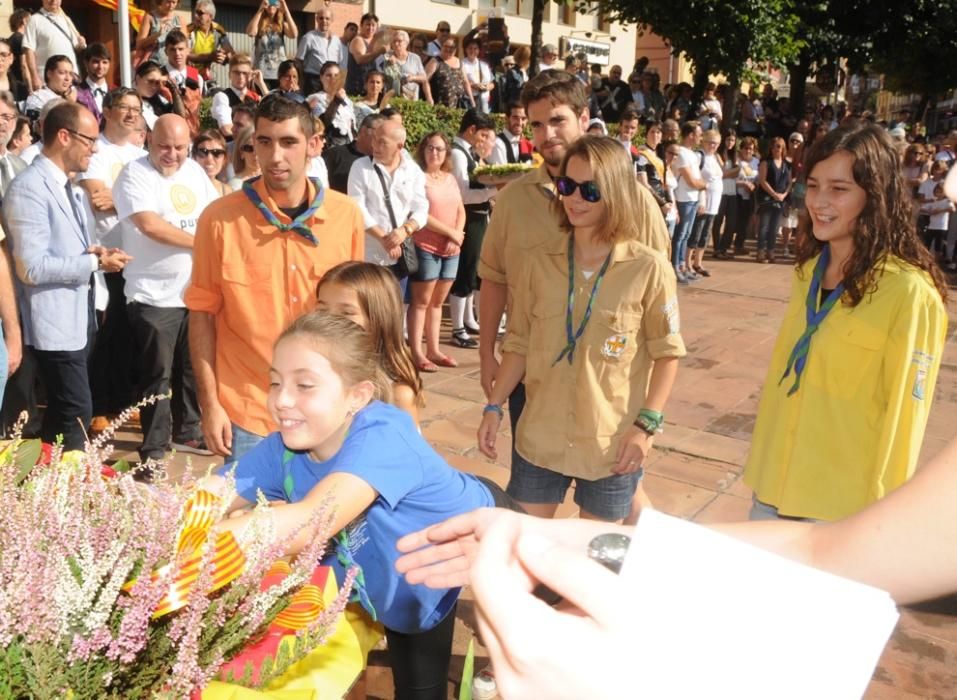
(111, 588)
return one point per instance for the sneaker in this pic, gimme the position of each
(196, 446)
(461, 339)
(483, 685)
(680, 276)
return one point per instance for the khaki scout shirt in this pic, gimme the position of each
(523, 220)
(576, 414)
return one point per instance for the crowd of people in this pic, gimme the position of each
(273, 289)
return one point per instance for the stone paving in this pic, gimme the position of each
(729, 324)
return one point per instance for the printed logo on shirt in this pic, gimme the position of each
(614, 346)
(670, 312)
(922, 361)
(184, 201)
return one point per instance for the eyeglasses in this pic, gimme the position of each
(8, 118)
(89, 141)
(436, 149)
(5, 54)
(247, 148)
(128, 109)
(214, 152)
(589, 190)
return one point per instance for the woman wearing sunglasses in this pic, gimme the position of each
(245, 162)
(596, 335)
(209, 150)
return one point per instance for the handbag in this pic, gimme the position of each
(408, 262)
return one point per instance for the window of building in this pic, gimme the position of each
(566, 14)
(521, 8)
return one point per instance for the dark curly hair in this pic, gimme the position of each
(886, 226)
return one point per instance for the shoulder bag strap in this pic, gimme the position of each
(385, 194)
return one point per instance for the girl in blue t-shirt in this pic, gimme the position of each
(338, 440)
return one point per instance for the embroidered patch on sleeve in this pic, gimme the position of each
(922, 362)
(670, 312)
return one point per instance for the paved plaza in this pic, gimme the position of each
(729, 324)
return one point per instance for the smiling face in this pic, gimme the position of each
(554, 127)
(97, 68)
(627, 130)
(307, 398)
(60, 77)
(169, 146)
(211, 155)
(834, 200)
(125, 114)
(341, 300)
(517, 121)
(581, 214)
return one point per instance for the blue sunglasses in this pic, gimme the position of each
(589, 190)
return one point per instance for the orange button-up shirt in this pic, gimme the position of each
(256, 280)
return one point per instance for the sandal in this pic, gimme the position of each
(427, 366)
(701, 271)
(444, 361)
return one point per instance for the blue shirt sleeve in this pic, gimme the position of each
(260, 469)
(382, 449)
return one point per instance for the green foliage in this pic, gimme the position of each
(421, 118)
(206, 120)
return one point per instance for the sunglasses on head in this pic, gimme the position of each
(215, 152)
(589, 190)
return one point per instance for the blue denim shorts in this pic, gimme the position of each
(435, 267)
(608, 498)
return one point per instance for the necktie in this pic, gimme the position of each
(70, 195)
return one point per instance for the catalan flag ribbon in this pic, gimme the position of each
(136, 14)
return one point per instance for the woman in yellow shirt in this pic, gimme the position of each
(848, 392)
(595, 332)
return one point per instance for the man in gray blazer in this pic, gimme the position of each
(54, 259)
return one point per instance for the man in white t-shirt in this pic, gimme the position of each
(159, 197)
(111, 370)
(49, 32)
(687, 170)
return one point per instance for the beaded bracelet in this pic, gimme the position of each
(493, 408)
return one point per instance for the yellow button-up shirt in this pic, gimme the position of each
(853, 430)
(577, 413)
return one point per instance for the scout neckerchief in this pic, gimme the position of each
(815, 317)
(344, 555)
(569, 349)
(299, 224)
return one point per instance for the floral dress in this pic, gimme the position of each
(447, 83)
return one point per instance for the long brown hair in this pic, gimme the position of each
(378, 294)
(424, 143)
(614, 174)
(886, 226)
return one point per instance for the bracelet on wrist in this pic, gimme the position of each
(494, 408)
(650, 421)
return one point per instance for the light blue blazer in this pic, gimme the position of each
(49, 253)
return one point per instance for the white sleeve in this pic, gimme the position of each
(220, 109)
(460, 170)
(419, 204)
(30, 36)
(499, 155)
(357, 189)
(134, 193)
(303, 46)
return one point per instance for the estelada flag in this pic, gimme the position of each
(136, 14)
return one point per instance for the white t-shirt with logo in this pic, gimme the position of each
(159, 273)
(105, 166)
(686, 159)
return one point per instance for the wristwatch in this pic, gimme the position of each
(410, 227)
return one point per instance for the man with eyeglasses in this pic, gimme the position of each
(317, 47)
(111, 373)
(159, 198)
(10, 164)
(55, 254)
(238, 92)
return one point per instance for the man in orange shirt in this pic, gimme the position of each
(258, 257)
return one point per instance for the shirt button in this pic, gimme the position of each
(292, 267)
(571, 445)
(295, 299)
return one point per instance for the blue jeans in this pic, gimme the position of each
(435, 267)
(768, 224)
(679, 241)
(243, 442)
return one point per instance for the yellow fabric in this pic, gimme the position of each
(853, 431)
(327, 672)
(136, 14)
(592, 402)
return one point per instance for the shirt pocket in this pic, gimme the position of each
(244, 283)
(546, 332)
(850, 356)
(614, 347)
